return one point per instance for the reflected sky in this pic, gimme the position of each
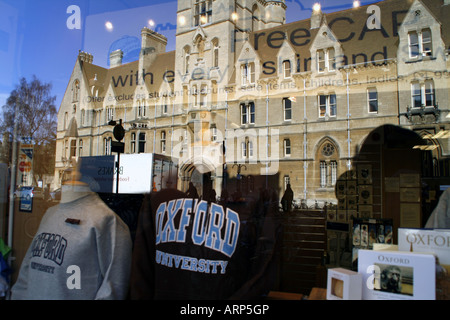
(35, 38)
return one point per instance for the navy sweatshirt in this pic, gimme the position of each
(198, 250)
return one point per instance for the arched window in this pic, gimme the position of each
(215, 60)
(187, 56)
(76, 90)
(328, 160)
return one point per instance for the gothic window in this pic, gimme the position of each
(215, 62)
(328, 159)
(83, 117)
(76, 90)
(66, 120)
(202, 12)
(187, 56)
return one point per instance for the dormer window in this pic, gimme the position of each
(326, 60)
(287, 69)
(248, 73)
(420, 44)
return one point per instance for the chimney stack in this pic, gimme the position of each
(316, 17)
(115, 58)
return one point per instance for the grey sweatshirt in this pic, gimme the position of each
(81, 251)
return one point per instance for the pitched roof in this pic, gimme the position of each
(350, 28)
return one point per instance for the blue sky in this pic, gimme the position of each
(35, 39)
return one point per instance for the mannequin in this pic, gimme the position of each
(73, 188)
(81, 251)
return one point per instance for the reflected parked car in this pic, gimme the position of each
(29, 192)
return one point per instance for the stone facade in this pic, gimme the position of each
(296, 101)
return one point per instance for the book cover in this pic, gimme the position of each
(436, 241)
(396, 275)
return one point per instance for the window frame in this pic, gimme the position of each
(370, 100)
(326, 59)
(421, 93)
(329, 107)
(422, 44)
(287, 147)
(287, 109)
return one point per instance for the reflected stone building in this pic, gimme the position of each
(262, 103)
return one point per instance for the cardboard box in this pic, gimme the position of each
(344, 284)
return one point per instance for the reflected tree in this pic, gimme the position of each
(30, 111)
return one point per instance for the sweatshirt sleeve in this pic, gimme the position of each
(114, 256)
(142, 272)
(19, 289)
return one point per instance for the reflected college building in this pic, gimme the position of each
(246, 101)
